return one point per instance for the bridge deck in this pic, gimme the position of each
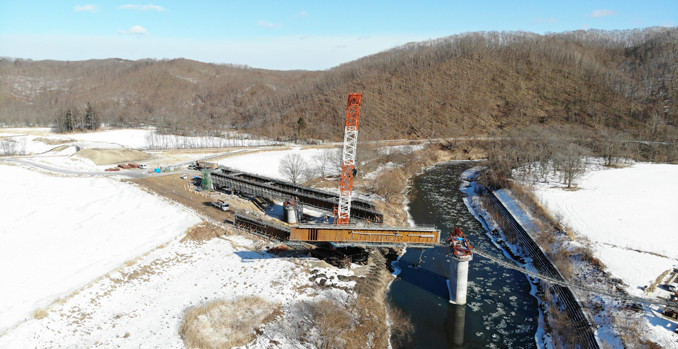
(350, 234)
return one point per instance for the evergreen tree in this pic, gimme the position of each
(91, 118)
(301, 125)
(69, 121)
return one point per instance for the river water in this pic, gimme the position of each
(500, 312)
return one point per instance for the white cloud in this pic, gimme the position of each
(135, 30)
(303, 14)
(86, 8)
(602, 13)
(149, 7)
(267, 24)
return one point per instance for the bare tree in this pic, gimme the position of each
(293, 167)
(324, 161)
(389, 183)
(611, 146)
(570, 162)
(655, 125)
(8, 146)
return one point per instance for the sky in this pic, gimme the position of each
(286, 35)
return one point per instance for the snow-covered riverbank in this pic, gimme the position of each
(628, 214)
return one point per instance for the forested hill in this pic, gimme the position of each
(468, 84)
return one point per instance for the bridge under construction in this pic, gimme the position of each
(227, 179)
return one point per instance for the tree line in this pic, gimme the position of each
(533, 153)
(465, 84)
(73, 119)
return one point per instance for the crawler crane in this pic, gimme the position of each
(348, 169)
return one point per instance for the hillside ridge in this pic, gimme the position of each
(467, 84)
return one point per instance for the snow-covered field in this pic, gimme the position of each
(628, 214)
(142, 305)
(42, 146)
(267, 163)
(87, 261)
(58, 233)
(130, 138)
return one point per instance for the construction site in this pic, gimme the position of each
(341, 229)
(336, 227)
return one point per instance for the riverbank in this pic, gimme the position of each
(623, 219)
(399, 168)
(616, 321)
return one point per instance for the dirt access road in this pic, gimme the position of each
(174, 187)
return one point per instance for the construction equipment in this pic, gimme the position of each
(461, 247)
(348, 169)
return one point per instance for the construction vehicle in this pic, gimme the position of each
(222, 205)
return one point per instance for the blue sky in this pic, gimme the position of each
(290, 34)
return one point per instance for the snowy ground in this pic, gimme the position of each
(59, 233)
(41, 145)
(130, 138)
(142, 305)
(628, 214)
(71, 241)
(615, 318)
(267, 163)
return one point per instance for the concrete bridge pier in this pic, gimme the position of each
(457, 285)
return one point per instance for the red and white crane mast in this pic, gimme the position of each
(348, 170)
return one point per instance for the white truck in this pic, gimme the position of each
(222, 205)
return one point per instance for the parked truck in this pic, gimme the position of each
(222, 205)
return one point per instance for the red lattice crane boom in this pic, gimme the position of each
(348, 170)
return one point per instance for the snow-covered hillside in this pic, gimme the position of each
(59, 233)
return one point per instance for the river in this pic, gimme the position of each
(500, 311)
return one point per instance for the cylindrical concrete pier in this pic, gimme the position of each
(291, 214)
(458, 283)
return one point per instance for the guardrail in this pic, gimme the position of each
(581, 326)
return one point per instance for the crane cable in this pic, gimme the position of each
(646, 300)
